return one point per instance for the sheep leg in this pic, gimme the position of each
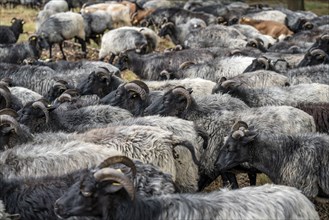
(61, 48)
(83, 46)
(50, 50)
(112, 58)
(231, 179)
(252, 178)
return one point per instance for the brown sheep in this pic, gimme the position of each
(271, 28)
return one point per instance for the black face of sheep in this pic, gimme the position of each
(257, 43)
(56, 90)
(98, 82)
(18, 24)
(131, 96)
(322, 43)
(236, 148)
(261, 63)
(225, 86)
(123, 62)
(314, 57)
(88, 196)
(172, 103)
(301, 24)
(38, 110)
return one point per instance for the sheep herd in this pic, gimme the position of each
(244, 89)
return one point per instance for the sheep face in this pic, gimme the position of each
(98, 82)
(129, 96)
(170, 104)
(81, 199)
(236, 149)
(314, 57)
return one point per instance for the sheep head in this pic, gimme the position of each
(175, 102)
(236, 148)
(98, 187)
(100, 82)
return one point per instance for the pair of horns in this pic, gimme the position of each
(183, 92)
(138, 87)
(7, 117)
(105, 173)
(42, 105)
(238, 129)
(318, 52)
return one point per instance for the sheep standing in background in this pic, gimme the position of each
(16, 53)
(10, 34)
(301, 160)
(120, 40)
(96, 24)
(63, 26)
(42, 16)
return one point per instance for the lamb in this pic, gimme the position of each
(263, 202)
(63, 26)
(301, 159)
(42, 192)
(39, 116)
(290, 95)
(119, 40)
(10, 34)
(16, 53)
(272, 28)
(178, 102)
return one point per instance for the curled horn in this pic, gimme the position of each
(325, 37)
(186, 65)
(253, 43)
(308, 25)
(9, 111)
(41, 105)
(65, 97)
(165, 73)
(167, 24)
(5, 92)
(136, 88)
(239, 124)
(60, 85)
(237, 134)
(114, 175)
(119, 159)
(228, 83)
(182, 91)
(318, 52)
(6, 81)
(7, 119)
(264, 61)
(132, 17)
(72, 92)
(235, 52)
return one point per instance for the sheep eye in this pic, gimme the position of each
(86, 194)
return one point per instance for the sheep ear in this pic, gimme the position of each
(13, 20)
(249, 137)
(22, 22)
